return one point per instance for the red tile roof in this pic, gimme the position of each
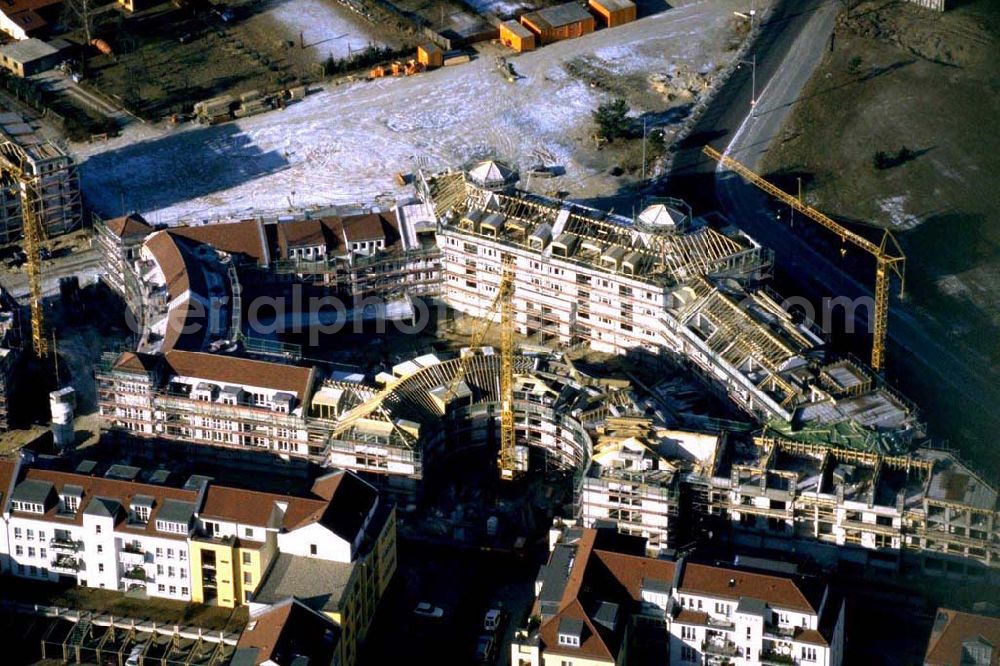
(288, 631)
(129, 226)
(715, 581)
(242, 371)
(245, 237)
(113, 489)
(953, 628)
(592, 645)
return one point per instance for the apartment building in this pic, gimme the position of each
(119, 240)
(288, 633)
(599, 600)
(663, 282)
(208, 399)
(200, 542)
(56, 181)
(634, 479)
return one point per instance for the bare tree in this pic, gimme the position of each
(80, 14)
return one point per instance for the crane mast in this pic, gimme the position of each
(507, 457)
(33, 236)
(888, 254)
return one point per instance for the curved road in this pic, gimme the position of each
(789, 48)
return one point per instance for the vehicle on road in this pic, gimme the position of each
(425, 609)
(484, 649)
(493, 620)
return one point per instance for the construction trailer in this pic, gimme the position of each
(613, 12)
(516, 36)
(554, 24)
(430, 55)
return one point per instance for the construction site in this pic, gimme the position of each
(416, 279)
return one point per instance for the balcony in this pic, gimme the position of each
(720, 647)
(134, 576)
(723, 623)
(64, 546)
(772, 658)
(130, 558)
(781, 633)
(68, 566)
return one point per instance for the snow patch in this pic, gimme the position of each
(894, 208)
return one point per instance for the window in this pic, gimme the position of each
(159, 552)
(312, 549)
(808, 653)
(41, 535)
(97, 529)
(687, 633)
(247, 558)
(18, 550)
(173, 589)
(247, 578)
(248, 532)
(161, 587)
(159, 569)
(100, 548)
(688, 653)
(171, 572)
(182, 555)
(17, 533)
(71, 503)
(141, 513)
(41, 553)
(31, 552)
(184, 591)
(31, 535)
(100, 568)
(569, 639)
(170, 553)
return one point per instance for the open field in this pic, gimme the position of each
(901, 77)
(344, 143)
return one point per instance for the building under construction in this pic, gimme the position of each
(23, 150)
(664, 282)
(845, 469)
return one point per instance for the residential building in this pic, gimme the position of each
(57, 183)
(288, 633)
(613, 12)
(516, 36)
(202, 542)
(963, 639)
(597, 600)
(23, 19)
(208, 399)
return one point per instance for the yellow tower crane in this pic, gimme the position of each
(888, 253)
(33, 237)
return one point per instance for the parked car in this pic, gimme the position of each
(425, 609)
(484, 649)
(493, 619)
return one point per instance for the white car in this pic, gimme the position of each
(133, 657)
(492, 619)
(425, 609)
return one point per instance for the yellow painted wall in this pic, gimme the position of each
(225, 572)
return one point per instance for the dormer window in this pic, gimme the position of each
(140, 509)
(71, 503)
(30, 507)
(570, 631)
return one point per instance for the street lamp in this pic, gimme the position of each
(753, 78)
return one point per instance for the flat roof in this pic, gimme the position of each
(558, 16)
(28, 50)
(613, 5)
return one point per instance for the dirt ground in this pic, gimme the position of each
(903, 77)
(166, 59)
(343, 144)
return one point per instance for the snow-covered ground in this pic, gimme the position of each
(500, 7)
(327, 28)
(343, 144)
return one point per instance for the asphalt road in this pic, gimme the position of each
(789, 48)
